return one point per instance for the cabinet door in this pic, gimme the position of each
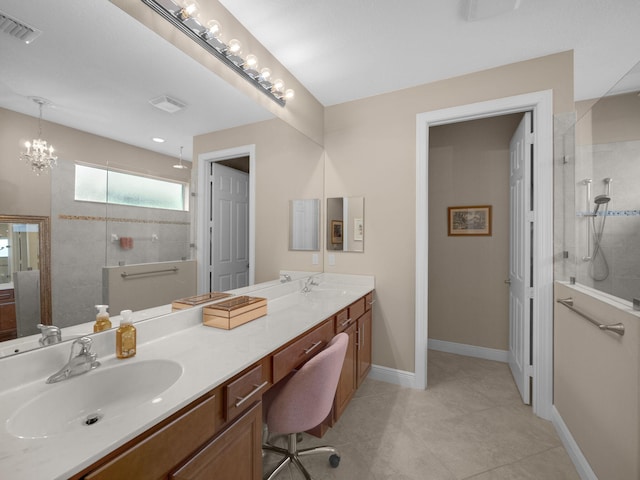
(347, 383)
(235, 454)
(364, 346)
(7, 315)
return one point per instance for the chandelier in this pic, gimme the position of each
(39, 154)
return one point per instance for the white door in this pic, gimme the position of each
(228, 228)
(520, 256)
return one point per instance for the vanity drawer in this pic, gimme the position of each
(343, 320)
(155, 456)
(301, 350)
(6, 295)
(356, 309)
(244, 391)
(368, 301)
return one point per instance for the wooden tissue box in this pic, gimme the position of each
(196, 300)
(234, 312)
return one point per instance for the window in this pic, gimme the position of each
(120, 188)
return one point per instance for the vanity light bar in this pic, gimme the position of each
(190, 26)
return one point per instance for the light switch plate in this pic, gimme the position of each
(314, 259)
(332, 260)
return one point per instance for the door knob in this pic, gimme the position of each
(508, 281)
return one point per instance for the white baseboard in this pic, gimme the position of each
(578, 459)
(391, 375)
(469, 350)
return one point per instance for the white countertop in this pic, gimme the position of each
(208, 357)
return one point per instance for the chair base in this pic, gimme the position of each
(292, 455)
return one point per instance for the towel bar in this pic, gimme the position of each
(150, 272)
(615, 328)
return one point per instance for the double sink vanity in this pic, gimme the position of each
(189, 403)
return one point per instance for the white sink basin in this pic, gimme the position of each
(95, 397)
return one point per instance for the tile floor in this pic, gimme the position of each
(469, 424)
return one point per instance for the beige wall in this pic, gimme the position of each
(24, 193)
(609, 119)
(370, 149)
(468, 299)
(597, 383)
(288, 166)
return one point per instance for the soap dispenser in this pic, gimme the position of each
(102, 319)
(126, 336)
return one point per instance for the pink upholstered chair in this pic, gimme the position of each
(302, 401)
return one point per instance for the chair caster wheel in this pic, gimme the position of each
(334, 460)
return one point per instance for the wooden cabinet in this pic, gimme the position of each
(8, 329)
(363, 354)
(219, 435)
(156, 455)
(235, 454)
(301, 350)
(355, 320)
(347, 383)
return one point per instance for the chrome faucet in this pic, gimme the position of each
(78, 363)
(286, 278)
(308, 284)
(50, 334)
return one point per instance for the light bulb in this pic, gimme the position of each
(289, 94)
(189, 10)
(235, 47)
(265, 74)
(278, 85)
(213, 29)
(251, 62)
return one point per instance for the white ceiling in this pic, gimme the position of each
(99, 67)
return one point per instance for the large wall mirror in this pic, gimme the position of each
(304, 224)
(345, 224)
(88, 236)
(24, 275)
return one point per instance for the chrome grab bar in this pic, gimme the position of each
(151, 272)
(615, 328)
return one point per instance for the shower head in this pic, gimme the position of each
(600, 200)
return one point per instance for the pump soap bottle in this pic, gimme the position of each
(102, 319)
(126, 336)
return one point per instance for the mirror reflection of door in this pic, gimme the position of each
(23, 265)
(229, 228)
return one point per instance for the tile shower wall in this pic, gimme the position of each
(621, 238)
(85, 237)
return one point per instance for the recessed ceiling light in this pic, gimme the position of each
(158, 140)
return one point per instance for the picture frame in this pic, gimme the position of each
(468, 221)
(336, 231)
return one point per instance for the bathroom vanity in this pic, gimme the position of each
(208, 422)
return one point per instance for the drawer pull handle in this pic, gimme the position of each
(346, 322)
(241, 400)
(372, 302)
(313, 347)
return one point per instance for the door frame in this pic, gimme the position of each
(204, 160)
(541, 104)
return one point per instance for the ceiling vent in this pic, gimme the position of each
(18, 29)
(474, 10)
(167, 104)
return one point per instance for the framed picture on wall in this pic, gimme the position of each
(469, 221)
(336, 231)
